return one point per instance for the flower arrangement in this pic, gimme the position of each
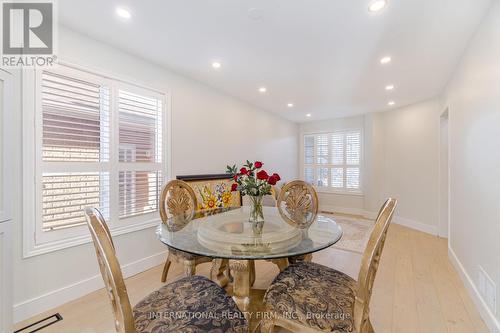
(255, 182)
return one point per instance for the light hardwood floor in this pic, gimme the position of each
(416, 290)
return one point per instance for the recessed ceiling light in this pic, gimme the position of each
(290, 105)
(308, 115)
(216, 65)
(385, 60)
(262, 89)
(389, 87)
(377, 5)
(391, 103)
(123, 13)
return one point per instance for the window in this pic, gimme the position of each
(96, 142)
(332, 161)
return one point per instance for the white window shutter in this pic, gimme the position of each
(353, 148)
(309, 149)
(140, 128)
(75, 117)
(139, 192)
(75, 131)
(65, 195)
(337, 147)
(322, 149)
(76, 108)
(140, 140)
(333, 160)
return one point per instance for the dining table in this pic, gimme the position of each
(228, 237)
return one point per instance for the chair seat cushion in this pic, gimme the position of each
(315, 296)
(192, 304)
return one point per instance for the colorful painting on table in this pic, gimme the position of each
(213, 193)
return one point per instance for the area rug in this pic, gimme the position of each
(356, 232)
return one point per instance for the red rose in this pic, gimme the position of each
(258, 164)
(278, 178)
(234, 187)
(262, 175)
(235, 177)
(272, 180)
(243, 171)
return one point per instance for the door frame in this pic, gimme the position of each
(445, 114)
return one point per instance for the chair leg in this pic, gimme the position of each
(189, 267)
(302, 258)
(217, 273)
(165, 269)
(281, 263)
(252, 273)
(367, 327)
(370, 327)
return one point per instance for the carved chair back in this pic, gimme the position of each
(177, 199)
(298, 203)
(370, 263)
(110, 271)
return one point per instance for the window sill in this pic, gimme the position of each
(33, 249)
(349, 193)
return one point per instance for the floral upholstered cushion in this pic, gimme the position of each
(315, 296)
(192, 304)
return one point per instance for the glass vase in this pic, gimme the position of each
(256, 212)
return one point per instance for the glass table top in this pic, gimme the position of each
(227, 233)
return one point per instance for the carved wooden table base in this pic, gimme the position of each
(249, 300)
(243, 272)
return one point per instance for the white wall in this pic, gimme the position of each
(400, 159)
(410, 163)
(473, 97)
(209, 130)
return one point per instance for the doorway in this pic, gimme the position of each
(444, 176)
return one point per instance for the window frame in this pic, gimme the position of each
(329, 189)
(35, 241)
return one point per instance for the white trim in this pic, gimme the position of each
(38, 249)
(328, 190)
(6, 276)
(446, 114)
(31, 173)
(52, 299)
(341, 210)
(412, 224)
(6, 112)
(489, 318)
(416, 225)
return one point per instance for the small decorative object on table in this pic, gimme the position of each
(255, 182)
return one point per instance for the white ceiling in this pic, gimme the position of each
(322, 55)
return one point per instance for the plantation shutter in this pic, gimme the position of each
(353, 159)
(140, 141)
(75, 134)
(333, 160)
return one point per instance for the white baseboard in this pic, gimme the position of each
(488, 317)
(430, 229)
(341, 210)
(55, 298)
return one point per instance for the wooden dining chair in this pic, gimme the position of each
(298, 206)
(178, 199)
(168, 309)
(309, 297)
